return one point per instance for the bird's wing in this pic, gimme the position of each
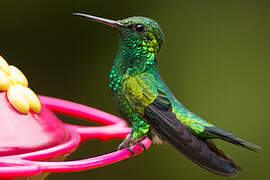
(154, 106)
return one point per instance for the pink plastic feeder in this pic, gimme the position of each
(52, 139)
(33, 141)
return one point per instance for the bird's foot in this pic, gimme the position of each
(131, 152)
(130, 141)
(142, 145)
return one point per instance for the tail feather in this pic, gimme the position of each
(204, 153)
(219, 133)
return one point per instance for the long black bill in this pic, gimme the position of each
(112, 23)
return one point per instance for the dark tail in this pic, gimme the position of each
(202, 152)
(220, 133)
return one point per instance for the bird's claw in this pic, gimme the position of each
(130, 149)
(130, 141)
(142, 145)
(131, 152)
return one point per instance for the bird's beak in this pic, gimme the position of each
(108, 22)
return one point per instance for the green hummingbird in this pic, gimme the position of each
(145, 101)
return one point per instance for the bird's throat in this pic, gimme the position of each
(129, 62)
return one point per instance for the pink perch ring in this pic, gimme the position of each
(34, 163)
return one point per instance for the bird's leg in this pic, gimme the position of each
(139, 132)
(130, 141)
(127, 142)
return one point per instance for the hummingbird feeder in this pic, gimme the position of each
(34, 142)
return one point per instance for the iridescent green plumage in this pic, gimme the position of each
(135, 80)
(145, 101)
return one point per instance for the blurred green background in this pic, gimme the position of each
(215, 59)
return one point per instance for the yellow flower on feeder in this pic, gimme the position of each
(15, 83)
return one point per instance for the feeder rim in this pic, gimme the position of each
(30, 164)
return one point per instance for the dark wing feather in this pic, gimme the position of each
(203, 153)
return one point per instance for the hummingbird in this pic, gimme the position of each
(146, 102)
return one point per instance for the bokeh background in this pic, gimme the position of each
(215, 59)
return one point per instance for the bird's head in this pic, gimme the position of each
(144, 34)
(140, 38)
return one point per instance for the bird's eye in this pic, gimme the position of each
(140, 27)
